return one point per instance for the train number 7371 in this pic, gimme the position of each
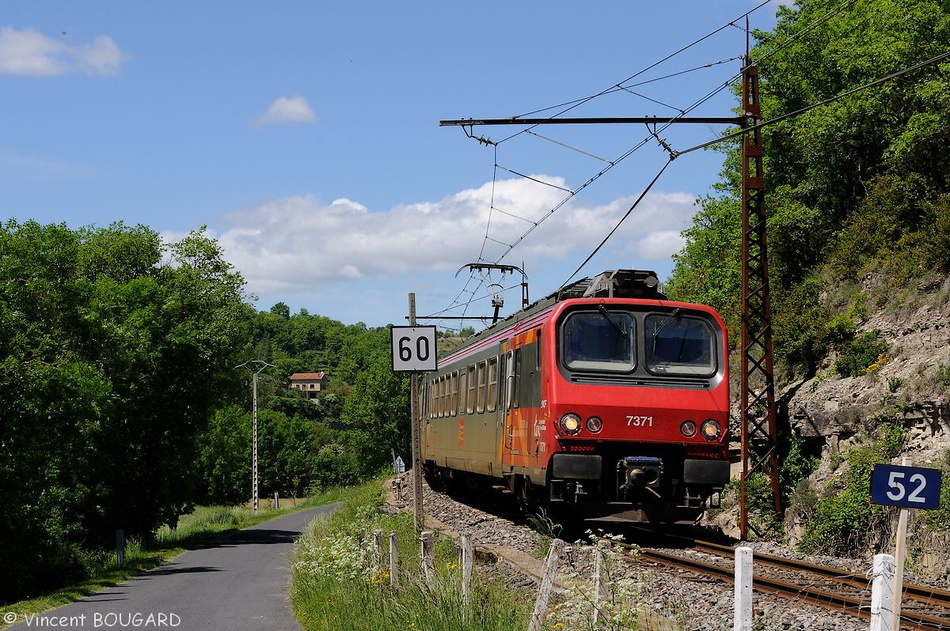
(639, 421)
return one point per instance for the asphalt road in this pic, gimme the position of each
(237, 583)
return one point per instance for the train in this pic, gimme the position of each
(602, 401)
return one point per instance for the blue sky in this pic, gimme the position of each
(305, 136)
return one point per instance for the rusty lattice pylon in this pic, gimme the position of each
(757, 411)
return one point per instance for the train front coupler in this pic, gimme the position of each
(639, 473)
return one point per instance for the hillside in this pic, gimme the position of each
(858, 200)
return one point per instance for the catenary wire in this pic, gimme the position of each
(802, 110)
(622, 219)
(572, 105)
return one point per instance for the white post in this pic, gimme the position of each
(393, 561)
(254, 500)
(120, 547)
(899, 557)
(415, 421)
(882, 592)
(428, 554)
(547, 585)
(743, 605)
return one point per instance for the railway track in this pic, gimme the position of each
(923, 608)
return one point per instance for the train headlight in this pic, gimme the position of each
(594, 424)
(688, 429)
(571, 423)
(711, 429)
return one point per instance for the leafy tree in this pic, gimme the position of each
(854, 185)
(376, 415)
(112, 362)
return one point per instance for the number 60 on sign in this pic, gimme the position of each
(907, 487)
(414, 348)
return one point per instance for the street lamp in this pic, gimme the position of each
(251, 365)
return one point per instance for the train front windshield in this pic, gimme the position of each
(599, 341)
(673, 344)
(679, 346)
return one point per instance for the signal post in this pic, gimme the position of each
(414, 351)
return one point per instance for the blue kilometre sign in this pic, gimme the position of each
(907, 487)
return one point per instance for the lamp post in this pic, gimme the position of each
(250, 365)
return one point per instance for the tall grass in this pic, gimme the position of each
(338, 584)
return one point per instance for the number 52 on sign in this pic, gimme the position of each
(907, 487)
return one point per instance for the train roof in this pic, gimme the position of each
(621, 283)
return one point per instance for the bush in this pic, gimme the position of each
(862, 354)
(844, 521)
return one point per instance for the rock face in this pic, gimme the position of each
(911, 386)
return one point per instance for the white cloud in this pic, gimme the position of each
(287, 111)
(28, 52)
(298, 245)
(101, 57)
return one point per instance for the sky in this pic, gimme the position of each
(305, 137)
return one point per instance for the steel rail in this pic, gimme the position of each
(821, 598)
(918, 593)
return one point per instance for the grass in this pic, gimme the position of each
(194, 529)
(338, 583)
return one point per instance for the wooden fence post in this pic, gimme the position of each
(428, 554)
(468, 554)
(377, 550)
(547, 584)
(598, 583)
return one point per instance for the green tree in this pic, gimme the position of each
(112, 363)
(377, 415)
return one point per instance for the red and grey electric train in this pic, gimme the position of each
(604, 400)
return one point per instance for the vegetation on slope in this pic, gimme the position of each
(856, 190)
(856, 186)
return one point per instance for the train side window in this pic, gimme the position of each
(491, 404)
(511, 380)
(428, 399)
(472, 385)
(519, 377)
(462, 383)
(529, 376)
(453, 393)
(438, 397)
(443, 396)
(480, 394)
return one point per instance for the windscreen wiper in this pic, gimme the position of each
(663, 324)
(611, 319)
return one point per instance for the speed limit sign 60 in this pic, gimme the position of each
(414, 348)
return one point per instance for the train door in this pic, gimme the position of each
(529, 396)
(509, 398)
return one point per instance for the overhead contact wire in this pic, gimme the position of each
(800, 111)
(619, 223)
